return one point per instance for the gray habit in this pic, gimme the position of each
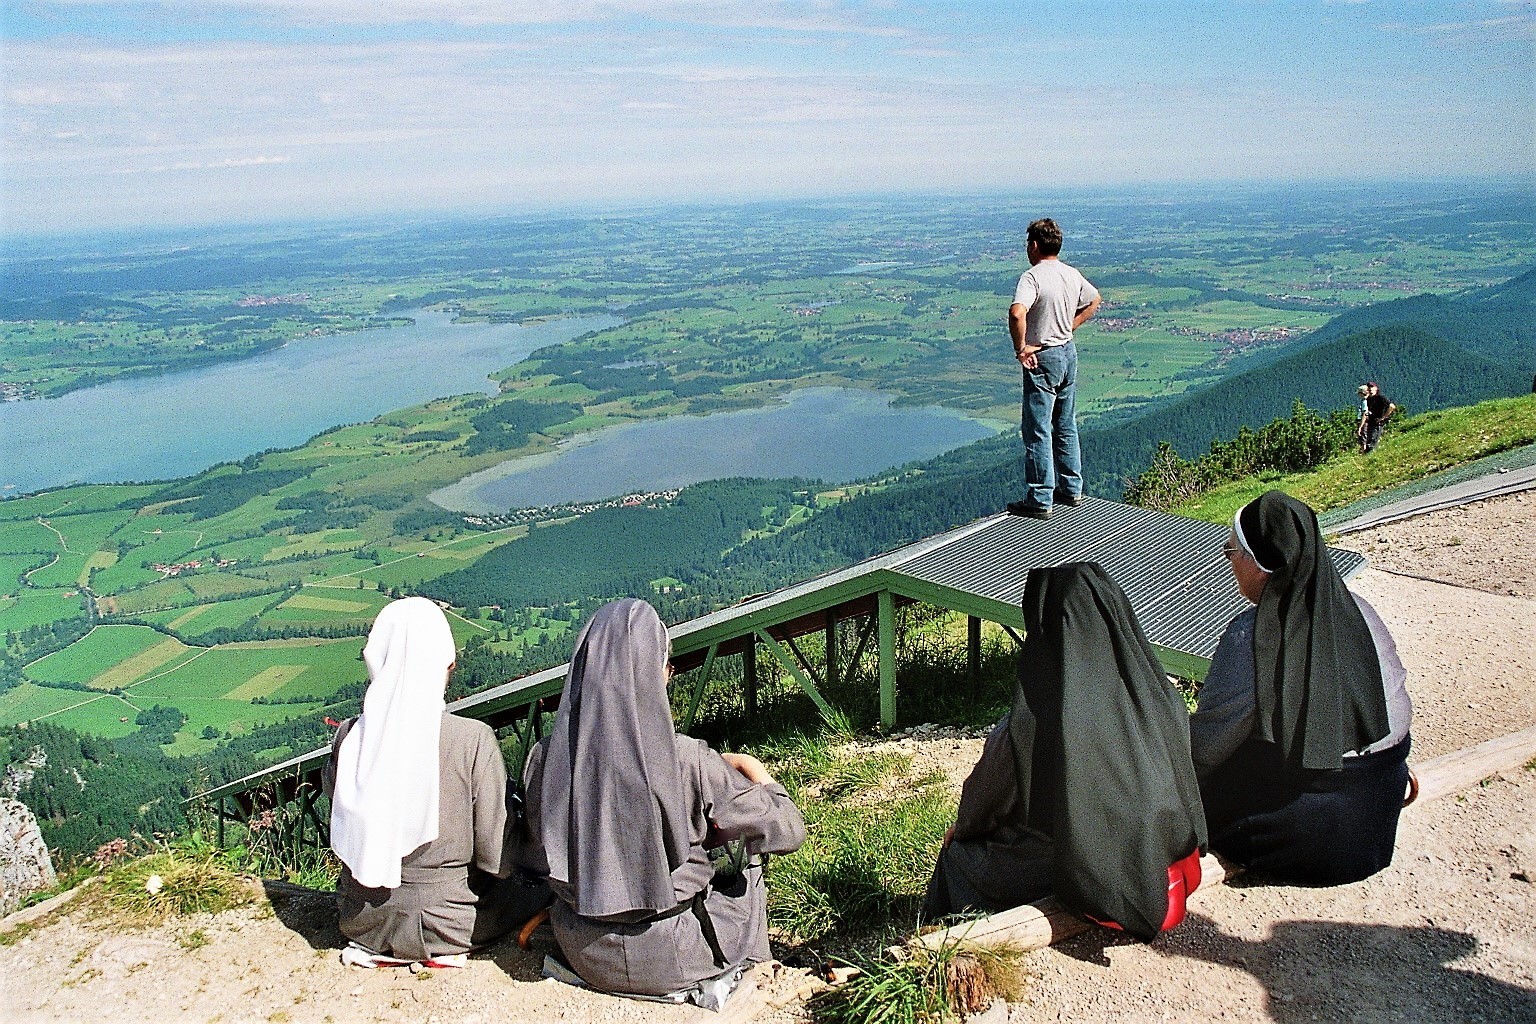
(454, 894)
(621, 811)
(641, 954)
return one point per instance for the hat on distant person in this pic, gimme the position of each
(1364, 389)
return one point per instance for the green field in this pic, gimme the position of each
(109, 716)
(12, 567)
(27, 702)
(231, 716)
(109, 657)
(201, 619)
(281, 668)
(27, 607)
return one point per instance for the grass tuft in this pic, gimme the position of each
(923, 986)
(873, 833)
(171, 883)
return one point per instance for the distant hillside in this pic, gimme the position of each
(1497, 322)
(1418, 370)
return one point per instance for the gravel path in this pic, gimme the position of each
(1443, 935)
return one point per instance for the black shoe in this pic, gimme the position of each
(1023, 508)
(1069, 499)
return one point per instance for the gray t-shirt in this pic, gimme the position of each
(1052, 293)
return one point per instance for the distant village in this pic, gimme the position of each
(514, 517)
(272, 300)
(177, 568)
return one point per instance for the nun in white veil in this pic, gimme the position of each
(419, 808)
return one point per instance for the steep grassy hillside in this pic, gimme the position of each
(1410, 450)
(1417, 369)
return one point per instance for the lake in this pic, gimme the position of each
(152, 428)
(831, 434)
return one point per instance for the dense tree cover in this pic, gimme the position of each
(1306, 440)
(223, 491)
(617, 551)
(508, 423)
(425, 516)
(91, 790)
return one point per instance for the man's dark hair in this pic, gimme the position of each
(1046, 236)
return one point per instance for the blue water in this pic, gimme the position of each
(831, 434)
(151, 428)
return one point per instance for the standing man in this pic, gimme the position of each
(1051, 301)
(1376, 409)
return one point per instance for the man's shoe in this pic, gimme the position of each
(1023, 508)
(1069, 499)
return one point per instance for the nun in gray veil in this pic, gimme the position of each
(622, 812)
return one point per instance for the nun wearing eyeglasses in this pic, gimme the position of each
(419, 808)
(1301, 736)
(623, 814)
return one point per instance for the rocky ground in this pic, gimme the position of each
(1443, 935)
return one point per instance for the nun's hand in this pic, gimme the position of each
(748, 766)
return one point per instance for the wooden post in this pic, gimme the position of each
(798, 672)
(973, 649)
(887, 627)
(222, 814)
(749, 672)
(831, 648)
(698, 688)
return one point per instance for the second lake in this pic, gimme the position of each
(829, 434)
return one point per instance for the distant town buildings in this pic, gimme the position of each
(272, 300)
(518, 516)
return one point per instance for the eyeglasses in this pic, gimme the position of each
(1231, 550)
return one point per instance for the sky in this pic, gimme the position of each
(188, 112)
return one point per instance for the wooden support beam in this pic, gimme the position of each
(865, 632)
(785, 662)
(698, 687)
(1013, 633)
(973, 649)
(887, 617)
(749, 676)
(1456, 771)
(805, 662)
(831, 643)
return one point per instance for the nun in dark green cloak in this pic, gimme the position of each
(1301, 738)
(1086, 789)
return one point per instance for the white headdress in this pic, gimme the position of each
(385, 801)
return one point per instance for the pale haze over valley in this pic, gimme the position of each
(167, 112)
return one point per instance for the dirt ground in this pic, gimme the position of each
(1445, 934)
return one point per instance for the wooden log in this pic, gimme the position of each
(1046, 922)
(1454, 772)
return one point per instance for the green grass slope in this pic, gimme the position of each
(1410, 450)
(1417, 369)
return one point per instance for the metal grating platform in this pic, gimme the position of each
(1170, 567)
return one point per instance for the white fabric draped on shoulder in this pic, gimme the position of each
(385, 801)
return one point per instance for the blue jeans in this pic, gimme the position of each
(1053, 463)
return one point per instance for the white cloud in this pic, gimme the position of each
(227, 163)
(810, 16)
